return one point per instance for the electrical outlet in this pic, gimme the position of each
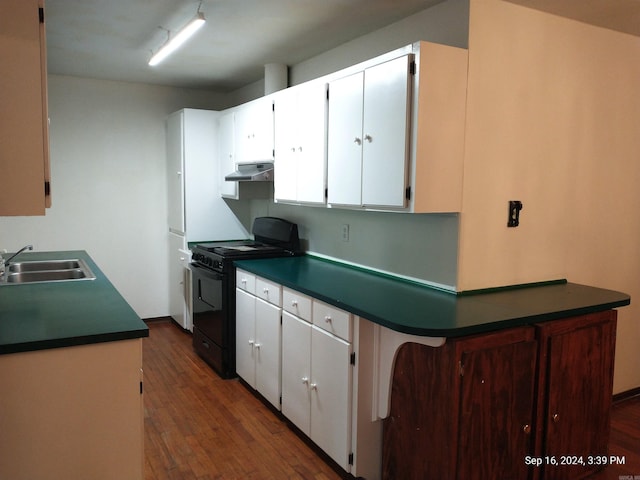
(345, 232)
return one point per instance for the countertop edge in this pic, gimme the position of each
(505, 314)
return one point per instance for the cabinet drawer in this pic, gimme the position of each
(268, 291)
(332, 320)
(296, 303)
(246, 281)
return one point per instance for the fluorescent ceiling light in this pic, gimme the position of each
(175, 42)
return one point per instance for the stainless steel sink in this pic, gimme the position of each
(42, 265)
(40, 271)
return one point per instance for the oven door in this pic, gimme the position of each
(211, 326)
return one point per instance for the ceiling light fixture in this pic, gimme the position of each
(175, 42)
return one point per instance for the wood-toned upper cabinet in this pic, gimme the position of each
(300, 144)
(24, 123)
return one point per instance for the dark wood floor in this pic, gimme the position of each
(200, 427)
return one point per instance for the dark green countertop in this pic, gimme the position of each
(62, 314)
(416, 309)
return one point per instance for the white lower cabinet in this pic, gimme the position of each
(258, 342)
(317, 381)
(322, 369)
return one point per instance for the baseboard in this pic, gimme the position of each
(626, 395)
(157, 319)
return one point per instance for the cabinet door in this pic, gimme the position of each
(175, 170)
(344, 151)
(254, 131)
(496, 411)
(286, 134)
(226, 155)
(312, 151)
(578, 357)
(386, 133)
(331, 377)
(177, 280)
(245, 336)
(296, 371)
(300, 144)
(24, 142)
(267, 351)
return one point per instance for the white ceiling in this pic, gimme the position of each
(114, 39)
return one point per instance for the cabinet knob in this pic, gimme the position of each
(555, 418)
(251, 342)
(243, 281)
(357, 141)
(368, 138)
(314, 386)
(265, 291)
(305, 380)
(526, 429)
(327, 318)
(294, 303)
(257, 345)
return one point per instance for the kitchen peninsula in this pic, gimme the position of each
(465, 383)
(71, 376)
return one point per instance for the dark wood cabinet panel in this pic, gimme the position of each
(488, 406)
(577, 368)
(496, 411)
(442, 422)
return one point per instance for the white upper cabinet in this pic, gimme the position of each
(368, 136)
(300, 144)
(226, 155)
(344, 163)
(253, 136)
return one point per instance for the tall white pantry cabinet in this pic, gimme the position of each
(196, 211)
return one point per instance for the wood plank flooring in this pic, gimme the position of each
(200, 427)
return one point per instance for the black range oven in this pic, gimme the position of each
(214, 296)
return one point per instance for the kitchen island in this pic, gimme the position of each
(484, 384)
(71, 376)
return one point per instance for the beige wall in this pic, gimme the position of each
(554, 121)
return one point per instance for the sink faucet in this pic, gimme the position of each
(5, 263)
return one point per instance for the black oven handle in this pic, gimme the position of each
(205, 272)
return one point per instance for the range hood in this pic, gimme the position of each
(251, 172)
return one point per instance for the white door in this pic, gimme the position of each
(385, 140)
(331, 377)
(312, 149)
(254, 131)
(177, 280)
(226, 156)
(267, 351)
(296, 371)
(175, 167)
(245, 336)
(286, 146)
(344, 151)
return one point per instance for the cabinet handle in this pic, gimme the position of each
(257, 346)
(327, 318)
(251, 342)
(305, 380)
(243, 281)
(265, 291)
(526, 429)
(357, 141)
(555, 418)
(314, 386)
(205, 344)
(368, 138)
(294, 303)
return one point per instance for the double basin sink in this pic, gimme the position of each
(39, 271)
